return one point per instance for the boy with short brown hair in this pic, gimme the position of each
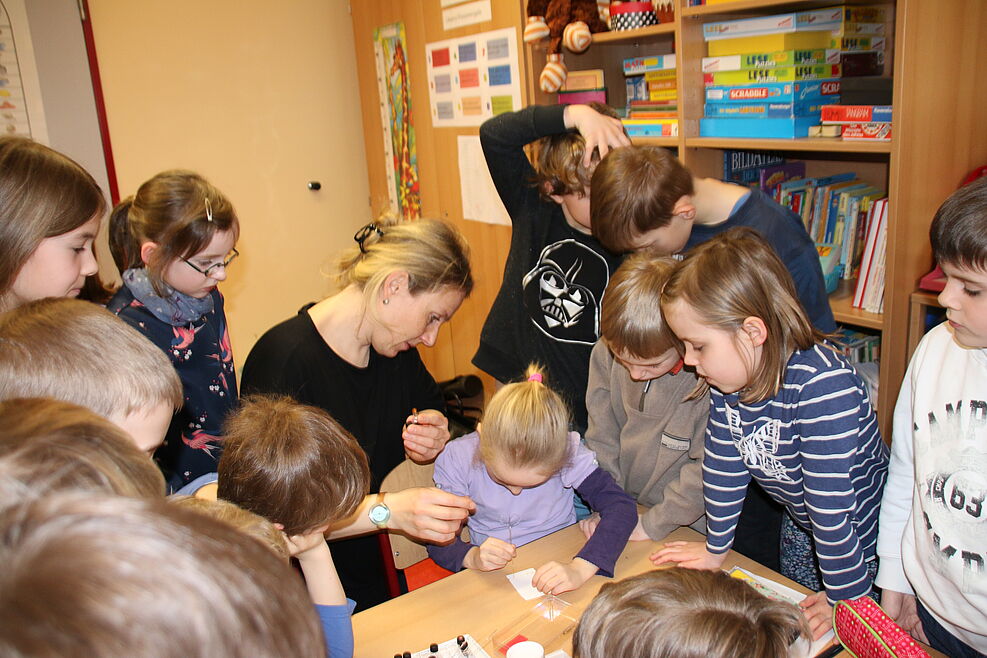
(644, 198)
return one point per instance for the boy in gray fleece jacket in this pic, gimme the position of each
(644, 430)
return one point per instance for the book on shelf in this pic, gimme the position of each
(584, 80)
(638, 65)
(784, 58)
(744, 166)
(778, 74)
(858, 346)
(872, 259)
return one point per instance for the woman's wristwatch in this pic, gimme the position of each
(379, 512)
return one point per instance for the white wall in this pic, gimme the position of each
(260, 98)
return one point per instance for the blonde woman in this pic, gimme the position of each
(521, 467)
(352, 355)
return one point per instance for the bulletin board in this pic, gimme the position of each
(21, 110)
(471, 79)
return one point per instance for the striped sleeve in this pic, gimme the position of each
(725, 479)
(832, 424)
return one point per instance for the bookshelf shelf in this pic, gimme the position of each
(841, 302)
(817, 144)
(624, 36)
(668, 142)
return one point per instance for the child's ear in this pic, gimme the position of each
(557, 198)
(755, 330)
(685, 208)
(147, 248)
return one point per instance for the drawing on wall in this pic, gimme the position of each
(473, 78)
(393, 85)
(21, 111)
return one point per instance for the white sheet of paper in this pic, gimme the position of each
(522, 583)
(480, 199)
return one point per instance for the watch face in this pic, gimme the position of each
(379, 513)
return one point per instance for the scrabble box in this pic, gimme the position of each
(775, 92)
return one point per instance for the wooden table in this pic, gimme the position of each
(480, 603)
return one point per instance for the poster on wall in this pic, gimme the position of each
(21, 110)
(393, 85)
(471, 79)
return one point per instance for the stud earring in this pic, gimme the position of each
(386, 301)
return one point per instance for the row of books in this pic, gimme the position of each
(768, 77)
(841, 213)
(652, 96)
(858, 346)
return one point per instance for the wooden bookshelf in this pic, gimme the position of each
(918, 169)
(667, 142)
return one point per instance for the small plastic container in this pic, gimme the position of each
(550, 622)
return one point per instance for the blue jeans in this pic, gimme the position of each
(942, 640)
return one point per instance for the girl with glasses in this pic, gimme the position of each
(173, 241)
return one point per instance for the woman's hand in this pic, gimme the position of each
(688, 554)
(491, 555)
(598, 130)
(818, 613)
(555, 578)
(428, 513)
(425, 435)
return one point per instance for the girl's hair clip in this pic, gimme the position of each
(208, 210)
(535, 377)
(364, 233)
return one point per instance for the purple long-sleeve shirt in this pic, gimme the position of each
(537, 511)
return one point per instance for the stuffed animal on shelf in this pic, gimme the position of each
(564, 22)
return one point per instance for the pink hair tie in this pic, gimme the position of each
(536, 377)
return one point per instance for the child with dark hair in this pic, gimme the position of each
(932, 531)
(177, 236)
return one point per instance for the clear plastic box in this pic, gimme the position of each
(550, 622)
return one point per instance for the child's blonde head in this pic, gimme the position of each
(78, 352)
(433, 253)
(177, 210)
(630, 319)
(685, 613)
(87, 575)
(737, 275)
(48, 446)
(292, 464)
(42, 194)
(525, 424)
(250, 524)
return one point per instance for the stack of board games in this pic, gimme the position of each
(862, 40)
(583, 87)
(652, 96)
(769, 76)
(859, 122)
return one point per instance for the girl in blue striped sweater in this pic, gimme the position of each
(786, 410)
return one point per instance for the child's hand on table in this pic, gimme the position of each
(425, 435)
(555, 578)
(491, 555)
(687, 554)
(818, 613)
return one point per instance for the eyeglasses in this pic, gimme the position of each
(215, 266)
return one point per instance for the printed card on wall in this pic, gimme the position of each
(394, 89)
(471, 79)
(21, 111)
